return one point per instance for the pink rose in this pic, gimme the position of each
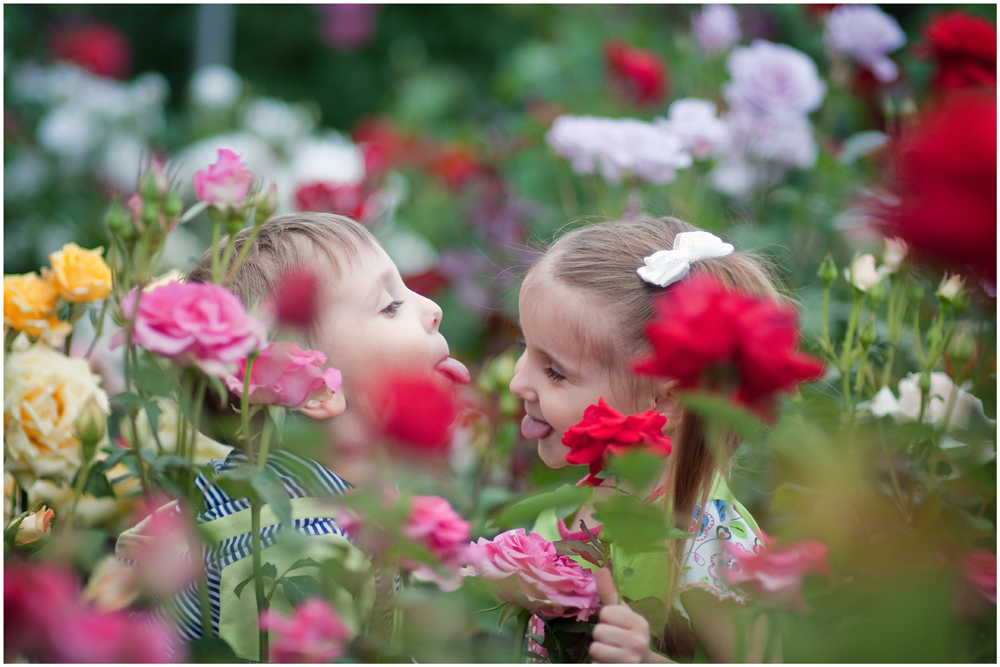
(438, 528)
(194, 324)
(285, 374)
(527, 572)
(226, 183)
(91, 637)
(313, 634)
(976, 590)
(36, 598)
(776, 574)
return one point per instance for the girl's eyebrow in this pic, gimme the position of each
(380, 283)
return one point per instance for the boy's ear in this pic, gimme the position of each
(326, 409)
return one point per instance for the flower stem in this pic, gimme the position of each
(216, 233)
(523, 617)
(244, 249)
(258, 578)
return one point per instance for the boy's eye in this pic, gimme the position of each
(554, 375)
(392, 308)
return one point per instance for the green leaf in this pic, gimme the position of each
(211, 650)
(303, 562)
(508, 610)
(266, 570)
(635, 526)
(113, 459)
(637, 468)
(722, 412)
(263, 486)
(528, 509)
(585, 550)
(97, 484)
(300, 588)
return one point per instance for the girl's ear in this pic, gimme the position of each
(666, 402)
(326, 409)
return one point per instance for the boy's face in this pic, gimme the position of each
(372, 326)
(555, 377)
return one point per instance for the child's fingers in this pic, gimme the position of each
(612, 635)
(623, 617)
(606, 590)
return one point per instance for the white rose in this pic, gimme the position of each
(205, 450)
(44, 391)
(216, 87)
(966, 410)
(894, 250)
(950, 287)
(863, 273)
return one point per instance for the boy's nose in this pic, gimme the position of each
(519, 385)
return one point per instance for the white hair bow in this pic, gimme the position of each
(665, 267)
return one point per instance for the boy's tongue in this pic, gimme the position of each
(534, 429)
(455, 370)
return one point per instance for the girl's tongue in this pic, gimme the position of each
(534, 429)
(455, 370)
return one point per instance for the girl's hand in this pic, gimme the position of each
(621, 636)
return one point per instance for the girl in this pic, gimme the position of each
(584, 306)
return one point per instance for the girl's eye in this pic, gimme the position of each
(554, 375)
(392, 308)
(520, 341)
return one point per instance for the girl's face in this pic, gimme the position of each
(556, 377)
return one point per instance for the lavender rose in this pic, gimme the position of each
(866, 34)
(773, 79)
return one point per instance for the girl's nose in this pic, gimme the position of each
(519, 385)
(431, 314)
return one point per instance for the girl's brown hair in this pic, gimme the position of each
(601, 260)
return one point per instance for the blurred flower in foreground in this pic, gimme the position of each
(603, 431)
(947, 171)
(525, 570)
(44, 392)
(416, 411)
(285, 374)
(159, 545)
(28, 305)
(775, 573)
(716, 28)
(618, 148)
(773, 79)
(640, 74)
(45, 621)
(441, 531)
(348, 27)
(703, 329)
(964, 47)
(966, 410)
(79, 275)
(113, 585)
(97, 47)
(296, 298)
(978, 585)
(866, 34)
(193, 324)
(313, 634)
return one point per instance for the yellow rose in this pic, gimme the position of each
(35, 526)
(44, 391)
(28, 302)
(113, 585)
(106, 512)
(205, 448)
(79, 275)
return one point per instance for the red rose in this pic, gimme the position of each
(296, 298)
(642, 73)
(456, 165)
(705, 330)
(385, 146)
(416, 412)
(603, 430)
(351, 200)
(98, 47)
(965, 50)
(947, 184)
